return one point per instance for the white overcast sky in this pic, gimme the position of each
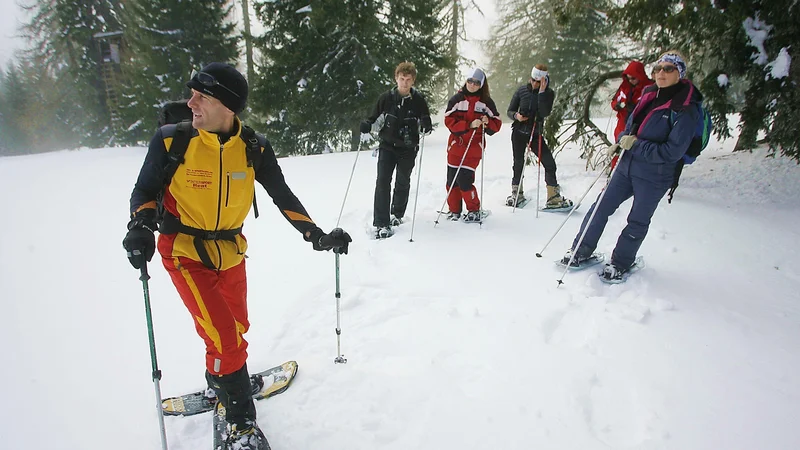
(10, 17)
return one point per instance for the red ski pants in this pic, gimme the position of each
(218, 304)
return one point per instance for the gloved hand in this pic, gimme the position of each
(425, 125)
(612, 150)
(627, 141)
(140, 241)
(476, 123)
(365, 127)
(337, 240)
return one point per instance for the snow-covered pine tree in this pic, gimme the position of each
(164, 41)
(732, 46)
(325, 64)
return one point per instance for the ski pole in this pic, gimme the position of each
(539, 173)
(483, 163)
(524, 166)
(340, 359)
(144, 277)
(589, 222)
(455, 177)
(416, 194)
(346, 191)
(574, 207)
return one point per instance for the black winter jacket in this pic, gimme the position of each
(534, 105)
(400, 117)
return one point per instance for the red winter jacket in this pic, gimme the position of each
(462, 109)
(629, 94)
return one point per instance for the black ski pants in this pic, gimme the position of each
(389, 159)
(519, 142)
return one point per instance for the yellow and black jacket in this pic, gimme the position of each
(211, 194)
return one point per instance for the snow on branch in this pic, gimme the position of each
(779, 68)
(757, 33)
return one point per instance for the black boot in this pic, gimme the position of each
(235, 392)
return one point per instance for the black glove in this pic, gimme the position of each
(365, 127)
(425, 125)
(140, 242)
(338, 240)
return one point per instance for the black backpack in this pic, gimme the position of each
(179, 113)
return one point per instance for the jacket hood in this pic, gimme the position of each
(636, 70)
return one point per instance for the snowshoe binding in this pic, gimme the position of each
(580, 261)
(475, 216)
(613, 274)
(383, 232)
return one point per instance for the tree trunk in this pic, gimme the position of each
(248, 43)
(451, 79)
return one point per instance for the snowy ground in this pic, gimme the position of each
(459, 340)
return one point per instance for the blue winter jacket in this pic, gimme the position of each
(661, 141)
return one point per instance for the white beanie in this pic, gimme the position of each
(477, 74)
(537, 74)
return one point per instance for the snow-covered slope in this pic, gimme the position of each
(461, 339)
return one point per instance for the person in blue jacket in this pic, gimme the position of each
(656, 137)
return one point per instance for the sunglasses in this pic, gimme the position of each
(208, 80)
(666, 69)
(474, 81)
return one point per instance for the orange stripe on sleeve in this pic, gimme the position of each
(297, 216)
(148, 205)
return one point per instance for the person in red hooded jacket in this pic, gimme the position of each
(470, 114)
(634, 80)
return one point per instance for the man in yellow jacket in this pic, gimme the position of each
(201, 242)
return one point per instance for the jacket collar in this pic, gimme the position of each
(212, 139)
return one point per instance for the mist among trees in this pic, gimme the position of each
(96, 71)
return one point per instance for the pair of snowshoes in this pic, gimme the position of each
(610, 274)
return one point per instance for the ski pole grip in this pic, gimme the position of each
(143, 268)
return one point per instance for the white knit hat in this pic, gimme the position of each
(537, 74)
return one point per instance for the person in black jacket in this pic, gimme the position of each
(399, 116)
(529, 106)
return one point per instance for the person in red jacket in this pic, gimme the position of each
(634, 80)
(471, 114)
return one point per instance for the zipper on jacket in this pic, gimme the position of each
(219, 203)
(228, 189)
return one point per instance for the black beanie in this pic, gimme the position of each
(234, 97)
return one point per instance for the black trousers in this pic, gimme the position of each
(389, 159)
(519, 142)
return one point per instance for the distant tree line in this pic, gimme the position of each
(96, 71)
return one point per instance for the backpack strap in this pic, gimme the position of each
(175, 157)
(675, 179)
(253, 150)
(177, 150)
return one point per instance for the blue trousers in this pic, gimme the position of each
(646, 196)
